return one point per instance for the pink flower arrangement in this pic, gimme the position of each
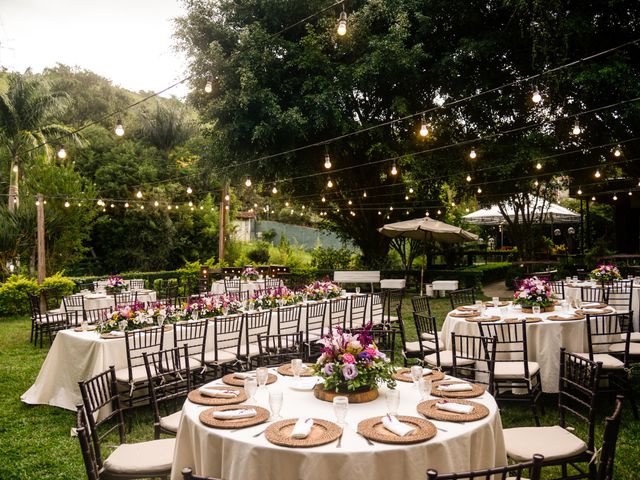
(274, 297)
(320, 290)
(534, 291)
(605, 272)
(249, 273)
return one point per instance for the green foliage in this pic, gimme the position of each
(329, 258)
(13, 295)
(60, 283)
(259, 254)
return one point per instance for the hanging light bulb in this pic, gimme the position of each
(617, 152)
(255, 205)
(579, 192)
(426, 213)
(155, 204)
(576, 128)
(126, 205)
(329, 184)
(67, 204)
(274, 190)
(62, 153)
(630, 193)
(406, 197)
(536, 97)
(479, 190)
(597, 174)
(394, 170)
(112, 206)
(468, 178)
(15, 169)
(472, 154)
(209, 85)
(453, 204)
(391, 208)
(247, 182)
(323, 199)
(286, 204)
(191, 204)
(327, 160)
(189, 190)
(379, 212)
(141, 207)
(466, 209)
(536, 183)
(119, 128)
(303, 207)
(342, 22)
(615, 197)
(139, 194)
(226, 197)
(538, 166)
(593, 199)
(410, 189)
(364, 194)
(424, 130)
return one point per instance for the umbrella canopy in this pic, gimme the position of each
(425, 229)
(545, 211)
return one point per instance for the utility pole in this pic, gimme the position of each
(42, 267)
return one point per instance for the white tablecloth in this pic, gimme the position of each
(103, 300)
(237, 455)
(572, 292)
(544, 340)
(250, 286)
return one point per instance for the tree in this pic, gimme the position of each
(27, 110)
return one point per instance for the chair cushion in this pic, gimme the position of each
(223, 356)
(427, 336)
(171, 422)
(313, 336)
(138, 374)
(608, 361)
(412, 347)
(635, 336)
(145, 459)
(446, 359)
(553, 442)
(506, 370)
(634, 348)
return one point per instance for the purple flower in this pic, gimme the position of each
(349, 371)
(328, 369)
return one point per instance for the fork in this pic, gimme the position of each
(368, 441)
(339, 444)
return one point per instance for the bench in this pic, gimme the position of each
(356, 276)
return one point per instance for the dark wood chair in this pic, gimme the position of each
(97, 315)
(278, 349)
(510, 472)
(90, 286)
(410, 350)
(557, 287)
(73, 303)
(392, 300)
(426, 327)
(421, 304)
(608, 448)
(594, 294)
(314, 314)
(465, 296)
(620, 295)
(136, 284)
(255, 323)
(376, 301)
(288, 319)
(474, 359)
(124, 299)
(227, 335)
(337, 313)
(357, 311)
(193, 335)
(232, 285)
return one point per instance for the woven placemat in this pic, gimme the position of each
(595, 305)
(287, 371)
(429, 410)
(322, 432)
(477, 390)
(229, 379)
(596, 311)
(558, 318)
(468, 308)
(404, 375)
(501, 303)
(110, 336)
(456, 313)
(89, 329)
(206, 417)
(373, 429)
(526, 319)
(492, 318)
(196, 397)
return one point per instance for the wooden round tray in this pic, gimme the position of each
(207, 418)
(596, 311)
(558, 318)
(526, 319)
(229, 379)
(429, 410)
(501, 303)
(90, 328)
(492, 318)
(354, 397)
(287, 371)
(373, 429)
(460, 314)
(467, 308)
(196, 397)
(110, 336)
(322, 432)
(404, 375)
(477, 390)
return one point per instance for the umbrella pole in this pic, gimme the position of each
(424, 252)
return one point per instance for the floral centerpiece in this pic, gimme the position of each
(274, 297)
(605, 272)
(352, 362)
(319, 290)
(249, 273)
(133, 317)
(534, 292)
(209, 306)
(115, 284)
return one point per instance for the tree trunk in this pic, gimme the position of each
(14, 175)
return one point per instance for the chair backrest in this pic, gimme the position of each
(376, 300)
(421, 304)
(232, 285)
(288, 319)
(125, 298)
(52, 298)
(272, 283)
(385, 340)
(192, 335)
(255, 323)
(620, 295)
(169, 291)
(34, 303)
(511, 341)
(356, 317)
(337, 312)
(314, 319)
(140, 341)
(401, 327)
(97, 315)
(603, 331)
(280, 348)
(98, 392)
(136, 284)
(557, 287)
(88, 455)
(513, 472)
(426, 324)
(480, 350)
(464, 296)
(187, 475)
(85, 286)
(608, 449)
(392, 299)
(577, 392)
(227, 334)
(598, 294)
(73, 302)
(203, 286)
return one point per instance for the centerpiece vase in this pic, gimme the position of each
(364, 394)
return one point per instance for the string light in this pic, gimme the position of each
(479, 190)
(472, 154)
(189, 190)
(286, 204)
(538, 166)
(141, 207)
(349, 202)
(410, 189)
(112, 206)
(327, 160)
(226, 197)
(536, 97)
(191, 204)
(126, 205)
(274, 190)
(406, 197)
(391, 208)
(119, 128)
(468, 178)
(155, 204)
(427, 213)
(37, 203)
(323, 199)
(597, 174)
(329, 184)
(67, 204)
(439, 212)
(453, 204)
(630, 193)
(62, 153)
(576, 128)
(342, 22)
(615, 197)
(394, 169)
(466, 209)
(379, 212)
(593, 199)
(617, 152)
(139, 194)
(579, 192)
(364, 194)
(536, 183)
(209, 85)
(424, 130)
(15, 169)
(247, 182)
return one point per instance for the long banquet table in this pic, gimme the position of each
(240, 455)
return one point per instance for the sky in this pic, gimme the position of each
(127, 41)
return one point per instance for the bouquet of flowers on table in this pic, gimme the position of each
(274, 297)
(534, 291)
(115, 284)
(352, 362)
(249, 273)
(131, 317)
(605, 272)
(320, 290)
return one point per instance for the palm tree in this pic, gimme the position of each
(27, 109)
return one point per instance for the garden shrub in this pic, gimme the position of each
(64, 285)
(329, 258)
(260, 254)
(13, 295)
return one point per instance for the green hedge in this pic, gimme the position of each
(13, 292)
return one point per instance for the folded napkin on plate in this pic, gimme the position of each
(566, 316)
(233, 414)
(426, 371)
(483, 317)
(454, 407)
(591, 304)
(302, 428)
(396, 426)
(455, 387)
(595, 310)
(117, 333)
(218, 392)
(305, 383)
(244, 376)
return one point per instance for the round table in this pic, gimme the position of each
(238, 455)
(544, 338)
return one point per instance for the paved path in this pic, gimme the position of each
(497, 289)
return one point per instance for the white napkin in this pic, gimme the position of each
(302, 428)
(117, 333)
(244, 376)
(396, 426)
(304, 383)
(455, 387)
(425, 371)
(566, 317)
(454, 407)
(483, 317)
(591, 304)
(218, 392)
(594, 310)
(233, 414)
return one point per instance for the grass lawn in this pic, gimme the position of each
(35, 441)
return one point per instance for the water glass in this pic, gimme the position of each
(565, 306)
(393, 401)
(296, 367)
(262, 375)
(84, 325)
(275, 404)
(574, 278)
(122, 324)
(195, 314)
(161, 320)
(424, 387)
(495, 301)
(250, 387)
(416, 373)
(340, 407)
(357, 290)
(535, 309)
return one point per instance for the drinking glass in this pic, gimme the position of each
(416, 374)
(393, 401)
(565, 306)
(84, 325)
(275, 404)
(574, 278)
(122, 324)
(262, 375)
(340, 407)
(535, 309)
(161, 320)
(357, 290)
(424, 387)
(495, 301)
(296, 367)
(250, 386)
(195, 314)
(578, 302)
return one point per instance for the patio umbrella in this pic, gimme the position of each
(427, 229)
(546, 211)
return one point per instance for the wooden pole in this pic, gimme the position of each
(223, 215)
(42, 267)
